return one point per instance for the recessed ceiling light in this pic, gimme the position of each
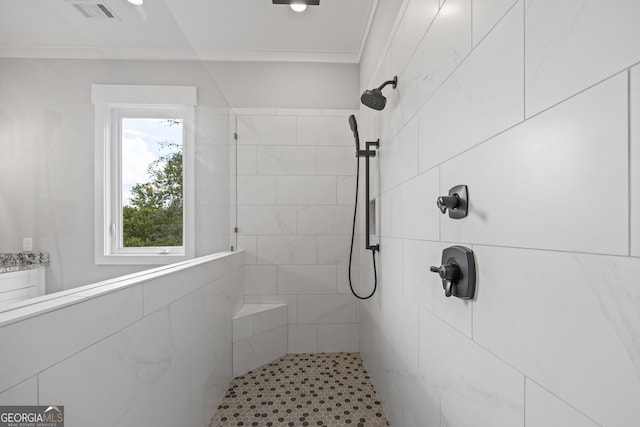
(136, 2)
(298, 7)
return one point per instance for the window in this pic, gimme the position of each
(144, 173)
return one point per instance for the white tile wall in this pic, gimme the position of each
(486, 13)
(479, 100)
(533, 105)
(307, 190)
(266, 130)
(571, 45)
(301, 239)
(130, 363)
(544, 409)
(286, 249)
(336, 338)
(572, 156)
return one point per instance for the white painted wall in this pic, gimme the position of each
(46, 166)
(533, 104)
(296, 189)
(154, 350)
(288, 84)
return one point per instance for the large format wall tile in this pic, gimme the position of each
(324, 131)
(442, 49)
(25, 393)
(266, 219)
(337, 338)
(266, 130)
(399, 158)
(486, 14)
(257, 190)
(414, 213)
(61, 334)
(544, 410)
(541, 184)
(116, 370)
(324, 219)
(573, 44)
(476, 388)
(320, 309)
(416, 20)
(337, 160)
(286, 160)
(482, 98)
(287, 250)
(560, 318)
(306, 279)
(307, 190)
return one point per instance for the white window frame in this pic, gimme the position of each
(111, 103)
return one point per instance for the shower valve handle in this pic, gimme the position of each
(449, 273)
(448, 202)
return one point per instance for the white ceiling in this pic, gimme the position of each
(226, 30)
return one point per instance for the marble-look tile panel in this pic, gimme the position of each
(269, 319)
(338, 338)
(260, 349)
(556, 316)
(257, 190)
(400, 316)
(62, 335)
(307, 190)
(306, 279)
(324, 220)
(266, 130)
(544, 410)
(292, 249)
(303, 339)
(286, 160)
(416, 20)
(333, 249)
(324, 131)
(248, 244)
(486, 14)
(399, 158)
(25, 393)
(443, 48)
(414, 213)
(337, 160)
(117, 370)
(572, 155)
(476, 388)
(346, 190)
(260, 279)
(320, 309)
(266, 219)
(391, 270)
(483, 97)
(247, 160)
(162, 291)
(573, 44)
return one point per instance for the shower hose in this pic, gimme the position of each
(353, 233)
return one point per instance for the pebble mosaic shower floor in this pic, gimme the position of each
(323, 389)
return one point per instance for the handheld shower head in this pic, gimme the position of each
(354, 128)
(373, 98)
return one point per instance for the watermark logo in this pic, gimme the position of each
(32, 416)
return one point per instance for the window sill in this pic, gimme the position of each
(136, 259)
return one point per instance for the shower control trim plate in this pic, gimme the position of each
(457, 202)
(458, 272)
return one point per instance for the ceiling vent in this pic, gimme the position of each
(93, 9)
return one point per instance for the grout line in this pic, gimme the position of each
(524, 402)
(629, 159)
(524, 62)
(562, 400)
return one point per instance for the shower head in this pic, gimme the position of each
(354, 128)
(373, 98)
